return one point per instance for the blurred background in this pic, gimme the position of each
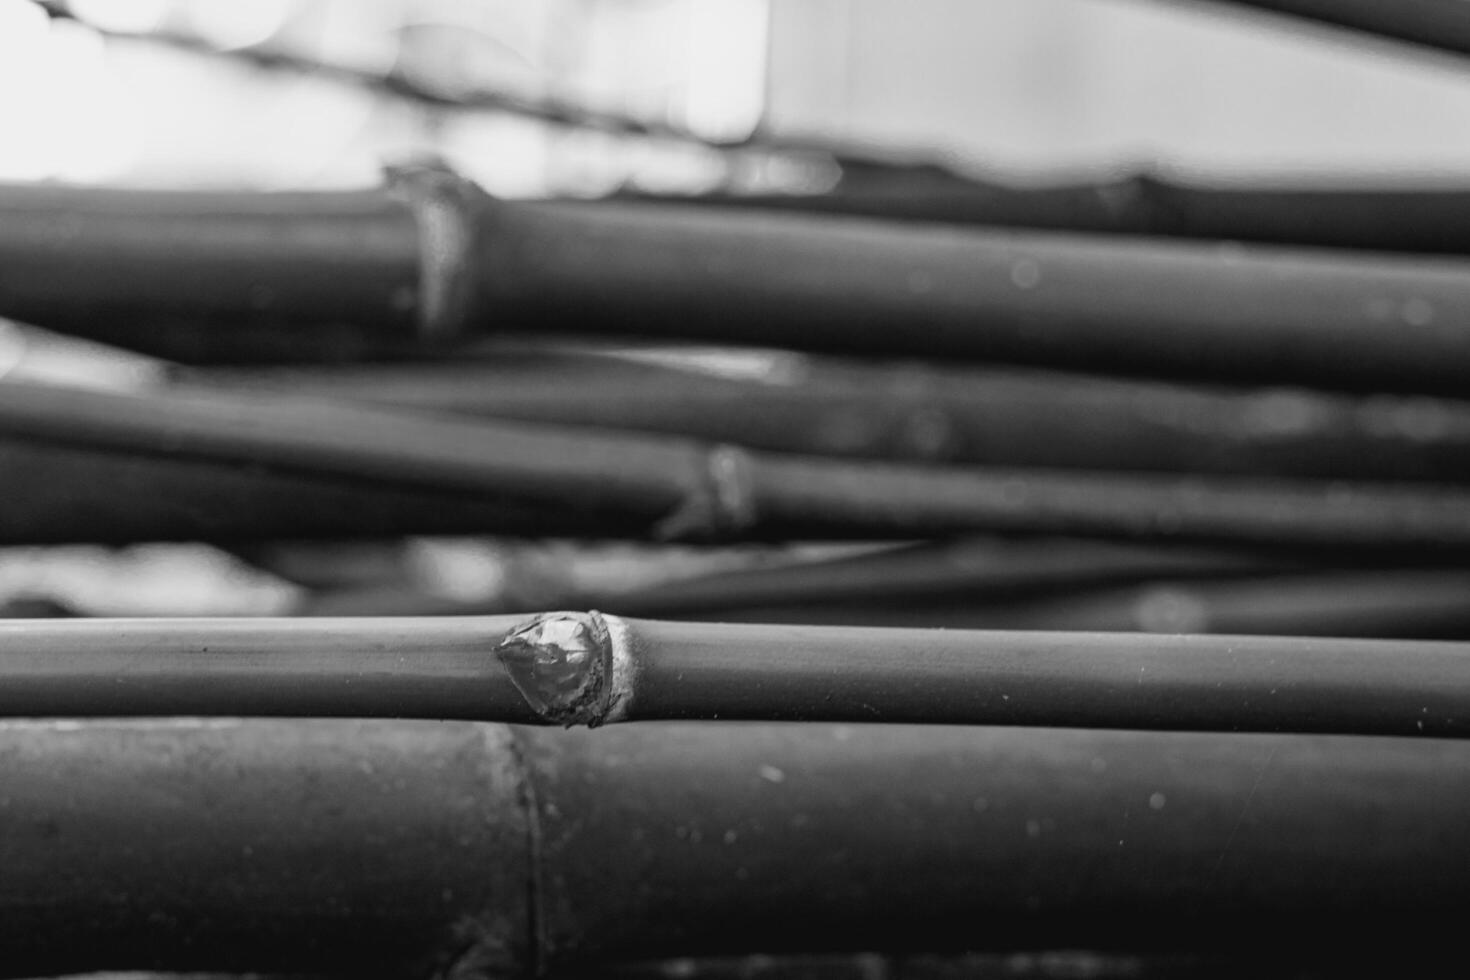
(127, 92)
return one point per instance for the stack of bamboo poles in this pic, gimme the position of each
(1257, 437)
(1134, 406)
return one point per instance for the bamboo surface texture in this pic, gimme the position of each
(461, 850)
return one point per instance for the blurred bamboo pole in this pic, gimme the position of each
(59, 494)
(677, 488)
(929, 412)
(1410, 218)
(1370, 603)
(973, 571)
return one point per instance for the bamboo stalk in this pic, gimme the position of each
(56, 494)
(74, 255)
(929, 412)
(677, 488)
(461, 850)
(1398, 603)
(1401, 603)
(1176, 309)
(965, 572)
(283, 848)
(586, 668)
(1389, 219)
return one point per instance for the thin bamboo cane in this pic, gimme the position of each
(586, 668)
(678, 488)
(1402, 219)
(961, 573)
(930, 412)
(462, 850)
(1399, 603)
(56, 494)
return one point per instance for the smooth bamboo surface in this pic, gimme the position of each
(573, 668)
(459, 850)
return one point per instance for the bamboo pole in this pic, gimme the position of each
(1383, 603)
(459, 850)
(57, 494)
(943, 574)
(1177, 309)
(591, 669)
(1409, 218)
(237, 847)
(927, 412)
(75, 254)
(682, 489)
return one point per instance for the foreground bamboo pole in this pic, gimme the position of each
(589, 669)
(677, 488)
(458, 850)
(443, 260)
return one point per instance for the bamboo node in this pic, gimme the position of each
(719, 502)
(572, 668)
(443, 207)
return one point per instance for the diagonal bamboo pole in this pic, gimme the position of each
(930, 412)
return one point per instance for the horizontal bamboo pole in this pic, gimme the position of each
(1134, 306)
(58, 494)
(930, 412)
(676, 488)
(467, 850)
(967, 571)
(1402, 603)
(1146, 307)
(586, 668)
(1408, 218)
(1384, 603)
(74, 254)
